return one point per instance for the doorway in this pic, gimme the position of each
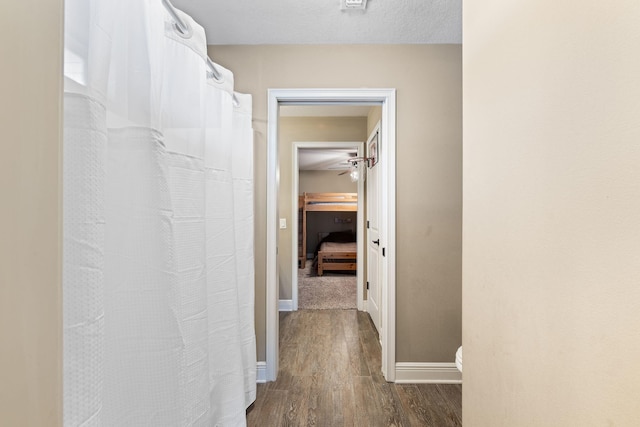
(387, 224)
(298, 147)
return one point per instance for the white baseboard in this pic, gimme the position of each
(261, 372)
(432, 373)
(285, 305)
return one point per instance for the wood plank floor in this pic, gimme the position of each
(330, 376)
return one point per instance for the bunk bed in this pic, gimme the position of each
(332, 255)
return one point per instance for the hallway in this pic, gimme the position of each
(330, 376)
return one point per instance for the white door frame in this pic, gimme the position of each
(387, 159)
(294, 219)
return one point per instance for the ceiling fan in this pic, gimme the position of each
(348, 164)
(354, 169)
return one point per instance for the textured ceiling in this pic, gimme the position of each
(322, 21)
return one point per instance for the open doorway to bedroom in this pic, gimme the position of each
(315, 143)
(283, 256)
(317, 200)
(328, 209)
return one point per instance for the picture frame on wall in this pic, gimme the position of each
(372, 150)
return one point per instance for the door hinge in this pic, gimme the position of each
(367, 224)
(383, 250)
(367, 285)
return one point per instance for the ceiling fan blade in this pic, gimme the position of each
(343, 172)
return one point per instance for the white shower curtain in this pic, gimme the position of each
(158, 224)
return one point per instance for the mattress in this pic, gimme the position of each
(355, 204)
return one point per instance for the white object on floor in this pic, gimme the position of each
(459, 359)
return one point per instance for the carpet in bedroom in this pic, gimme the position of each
(326, 292)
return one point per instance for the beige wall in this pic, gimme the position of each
(301, 129)
(326, 181)
(374, 116)
(552, 208)
(429, 182)
(30, 251)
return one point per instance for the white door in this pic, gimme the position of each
(374, 260)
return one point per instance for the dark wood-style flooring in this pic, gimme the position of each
(330, 376)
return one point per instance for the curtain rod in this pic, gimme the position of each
(185, 30)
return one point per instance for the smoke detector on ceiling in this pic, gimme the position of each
(353, 4)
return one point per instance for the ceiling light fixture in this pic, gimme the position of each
(354, 173)
(358, 167)
(353, 4)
